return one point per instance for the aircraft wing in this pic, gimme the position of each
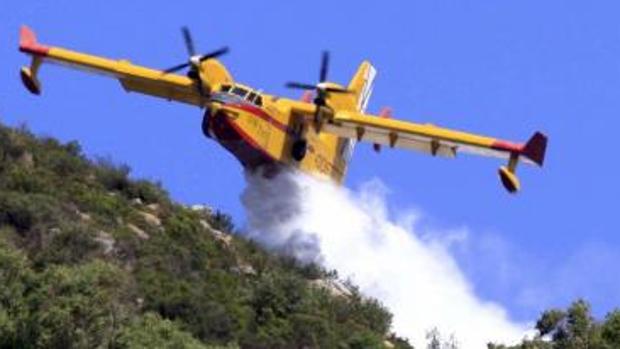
(132, 77)
(437, 141)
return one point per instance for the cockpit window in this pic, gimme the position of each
(255, 98)
(250, 96)
(241, 92)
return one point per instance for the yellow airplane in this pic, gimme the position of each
(315, 134)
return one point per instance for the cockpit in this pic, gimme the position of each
(243, 93)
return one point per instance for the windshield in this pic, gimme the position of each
(240, 91)
(249, 96)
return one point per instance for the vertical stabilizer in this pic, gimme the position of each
(361, 85)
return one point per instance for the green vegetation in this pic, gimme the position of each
(92, 258)
(574, 328)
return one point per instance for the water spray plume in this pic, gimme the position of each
(415, 276)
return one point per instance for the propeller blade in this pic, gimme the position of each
(324, 66)
(214, 54)
(176, 68)
(300, 86)
(189, 43)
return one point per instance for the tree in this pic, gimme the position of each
(611, 329)
(549, 321)
(435, 341)
(573, 328)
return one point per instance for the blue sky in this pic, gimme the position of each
(495, 67)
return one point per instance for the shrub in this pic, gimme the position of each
(11, 145)
(146, 191)
(26, 180)
(15, 279)
(151, 331)
(78, 306)
(107, 206)
(24, 211)
(16, 212)
(71, 244)
(222, 222)
(113, 177)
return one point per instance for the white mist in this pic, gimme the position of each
(351, 231)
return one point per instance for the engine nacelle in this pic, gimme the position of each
(509, 179)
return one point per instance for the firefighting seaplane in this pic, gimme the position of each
(315, 134)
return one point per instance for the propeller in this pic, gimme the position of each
(194, 59)
(321, 88)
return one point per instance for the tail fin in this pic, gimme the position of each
(535, 148)
(28, 42)
(361, 85)
(361, 88)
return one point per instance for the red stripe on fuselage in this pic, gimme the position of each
(247, 138)
(238, 142)
(256, 111)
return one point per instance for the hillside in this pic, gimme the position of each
(92, 258)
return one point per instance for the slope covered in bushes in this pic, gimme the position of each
(92, 258)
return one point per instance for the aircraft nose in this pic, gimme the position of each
(215, 114)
